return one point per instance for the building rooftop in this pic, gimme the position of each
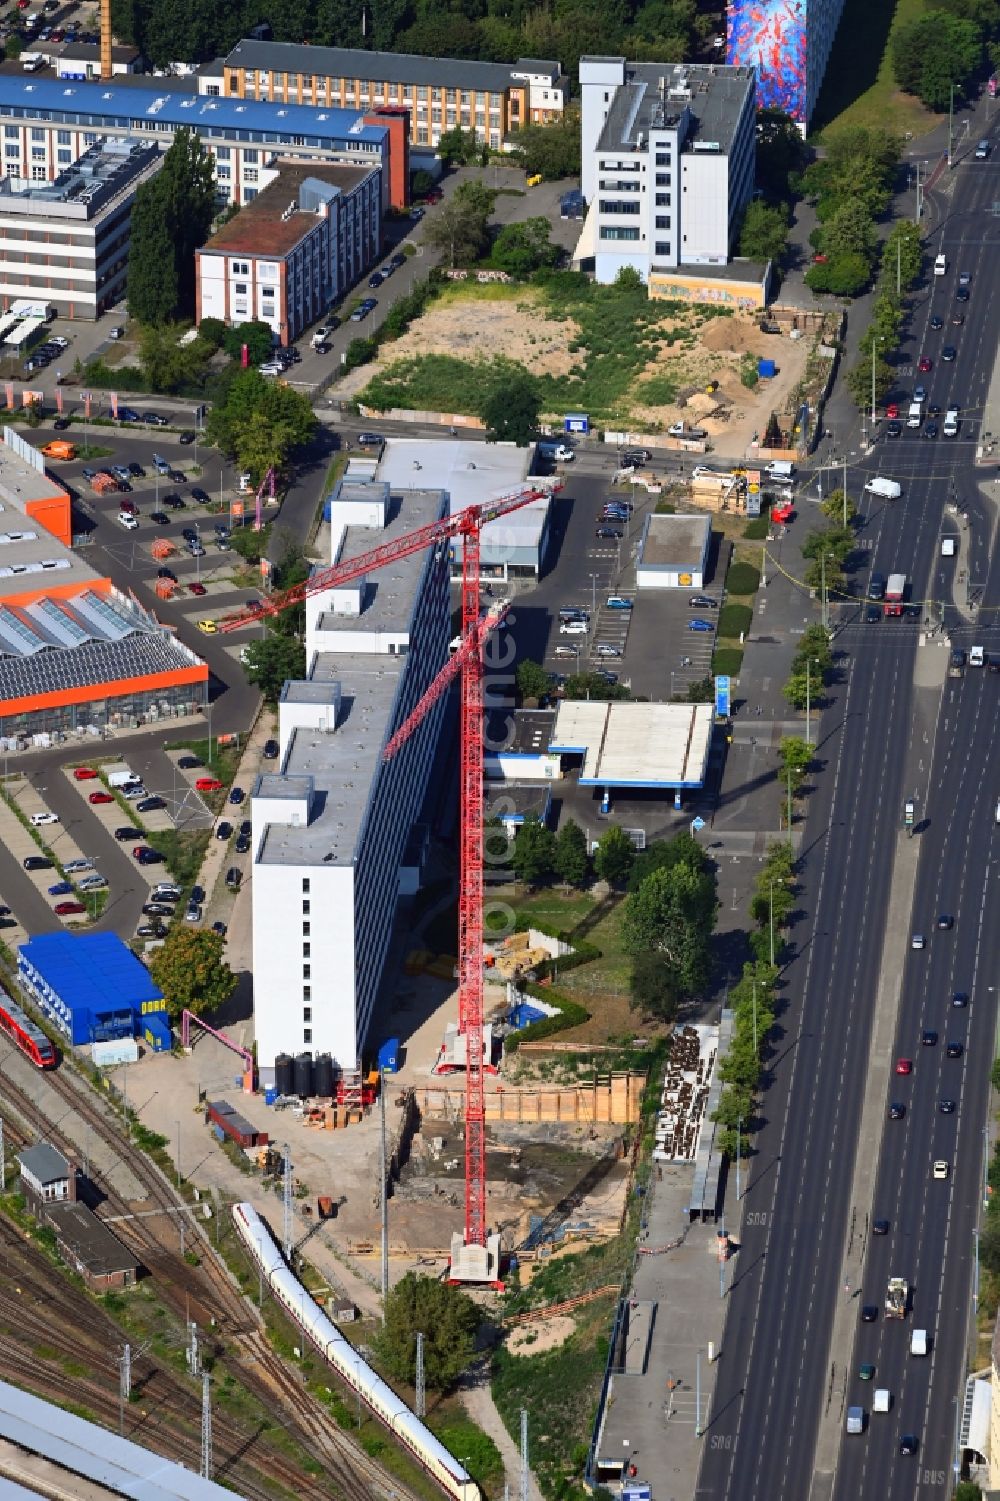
(96, 1250)
(88, 186)
(42, 1445)
(470, 473)
(655, 95)
(90, 52)
(674, 541)
(379, 67)
(94, 970)
(265, 227)
(636, 744)
(44, 1163)
(168, 103)
(341, 767)
(525, 733)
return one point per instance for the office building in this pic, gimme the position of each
(788, 45)
(66, 241)
(49, 123)
(295, 250)
(76, 655)
(667, 166)
(440, 93)
(331, 825)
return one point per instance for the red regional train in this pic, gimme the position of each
(24, 1034)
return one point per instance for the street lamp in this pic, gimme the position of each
(876, 341)
(809, 663)
(739, 1126)
(593, 593)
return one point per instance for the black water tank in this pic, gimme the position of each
(323, 1076)
(303, 1075)
(284, 1077)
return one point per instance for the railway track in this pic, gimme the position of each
(208, 1294)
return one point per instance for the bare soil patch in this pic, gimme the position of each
(540, 1335)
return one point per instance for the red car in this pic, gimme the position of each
(892, 411)
(69, 909)
(208, 784)
(924, 365)
(782, 514)
(197, 588)
(84, 773)
(100, 797)
(819, 259)
(904, 1065)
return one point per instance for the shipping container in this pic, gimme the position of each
(156, 1031)
(388, 1056)
(221, 1114)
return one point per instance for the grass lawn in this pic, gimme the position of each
(858, 87)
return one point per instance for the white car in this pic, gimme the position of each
(39, 820)
(128, 521)
(573, 628)
(941, 1169)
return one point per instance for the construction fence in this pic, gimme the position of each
(607, 1099)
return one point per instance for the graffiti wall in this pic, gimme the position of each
(770, 35)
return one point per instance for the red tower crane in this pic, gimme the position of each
(466, 524)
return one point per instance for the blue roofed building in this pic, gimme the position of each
(90, 985)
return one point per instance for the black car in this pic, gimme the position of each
(880, 1227)
(246, 829)
(242, 845)
(948, 352)
(954, 1050)
(159, 518)
(896, 1111)
(197, 893)
(189, 763)
(960, 998)
(189, 534)
(224, 830)
(177, 477)
(172, 502)
(370, 440)
(931, 430)
(908, 1444)
(155, 419)
(158, 909)
(127, 832)
(702, 602)
(271, 749)
(962, 294)
(873, 614)
(220, 928)
(37, 862)
(233, 877)
(149, 805)
(869, 1313)
(187, 436)
(893, 430)
(928, 1038)
(136, 470)
(957, 319)
(147, 856)
(397, 262)
(61, 424)
(945, 922)
(166, 573)
(946, 1107)
(937, 322)
(632, 458)
(376, 279)
(201, 496)
(609, 533)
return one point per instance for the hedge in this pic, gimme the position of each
(727, 661)
(743, 578)
(734, 621)
(757, 529)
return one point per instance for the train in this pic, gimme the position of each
(378, 1396)
(25, 1034)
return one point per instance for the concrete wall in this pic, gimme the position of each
(611, 1099)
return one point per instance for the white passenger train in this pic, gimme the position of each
(453, 1479)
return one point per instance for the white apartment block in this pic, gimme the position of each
(330, 827)
(667, 163)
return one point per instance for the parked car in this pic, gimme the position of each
(136, 470)
(127, 832)
(197, 587)
(220, 928)
(200, 495)
(147, 856)
(69, 909)
(158, 909)
(37, 862)
(166, 573)
(72, 866)
(150, 805)
(224, 830)
(61, 888)
(150, 930)
(700, 625)
(192, 912)
(188, 763)
(702, 602)
(270, 751)
(236, 795)
(159, 518)
(100, 797)
(208, 784)
(173, 502)
(233, 877)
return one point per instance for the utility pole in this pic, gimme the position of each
(193, 1354)
(770, 903)
(697, 1395)
(845, 492)
(739, 1124)
(384, 1193)
(951, 120)
(525, 1472)
(899, 270)
(421, 1394)
(124, 1386)
(919, 203)
(206, 1426)
(287, 1205)
(808, 696)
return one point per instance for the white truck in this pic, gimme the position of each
(915, 415)
(918, 1342)
(681, 430)
(885, 489)
(122, 776)
(940, 265)
(32, 61)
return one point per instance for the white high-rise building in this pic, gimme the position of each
(331, 824)
(667, 163)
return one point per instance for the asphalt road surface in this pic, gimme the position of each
(774, 1374)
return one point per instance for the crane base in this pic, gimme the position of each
(476, 1264)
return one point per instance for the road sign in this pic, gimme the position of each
(722, 697)
(637, 1493)
(697, 824)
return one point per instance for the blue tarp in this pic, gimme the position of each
(523, 1014)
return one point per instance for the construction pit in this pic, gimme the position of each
(557, 1172)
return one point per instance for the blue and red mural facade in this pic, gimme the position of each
(770, 35)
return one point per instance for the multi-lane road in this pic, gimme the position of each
(883, 739)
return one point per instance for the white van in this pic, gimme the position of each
(885, 489)
(915, 415)
(780, 470)
(975, 656)
(950, 428)
(949, 547)
(561, 453)
(940, 265)
(883, 1399)
(573, 628)
(918, 1342)
(855, 1420)
(982, 150)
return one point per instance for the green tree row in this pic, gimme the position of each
(943, 49)
(667, 924)
(870, 379)
(851, 187)
(811, 668)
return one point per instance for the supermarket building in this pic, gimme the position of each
(77, 656)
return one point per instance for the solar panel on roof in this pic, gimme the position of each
(18, 636)
(109, 622)
(57, 623)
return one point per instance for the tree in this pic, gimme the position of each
(553, 150)
(534, 852)
(614, 856)
(448, 1320)
(933, 52)
(258, 337)
(836, 505)
(594, 685)
(850, 231)
(212, 331)
(273, 662)
(673, 914)
(459, 228)
(995, 1074)
(152, 274)
(781, 153)
(764, 232)
(510, 410)
(532, 679)
(842, 275)
(570, 861)
(796, 756)
(664, 854)
(456, 146)
(629, 279)
(260, 423)
(421, 183)
(833, 542)
(191, 971)
(653, 987)
(523, 248)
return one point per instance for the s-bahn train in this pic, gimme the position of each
(24, 1034)
(453, 1479)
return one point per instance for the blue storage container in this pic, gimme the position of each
(270, 1095)
(156, 1031)
(766, 369)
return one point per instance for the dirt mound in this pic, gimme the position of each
(735, 336)
(540, 1335)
